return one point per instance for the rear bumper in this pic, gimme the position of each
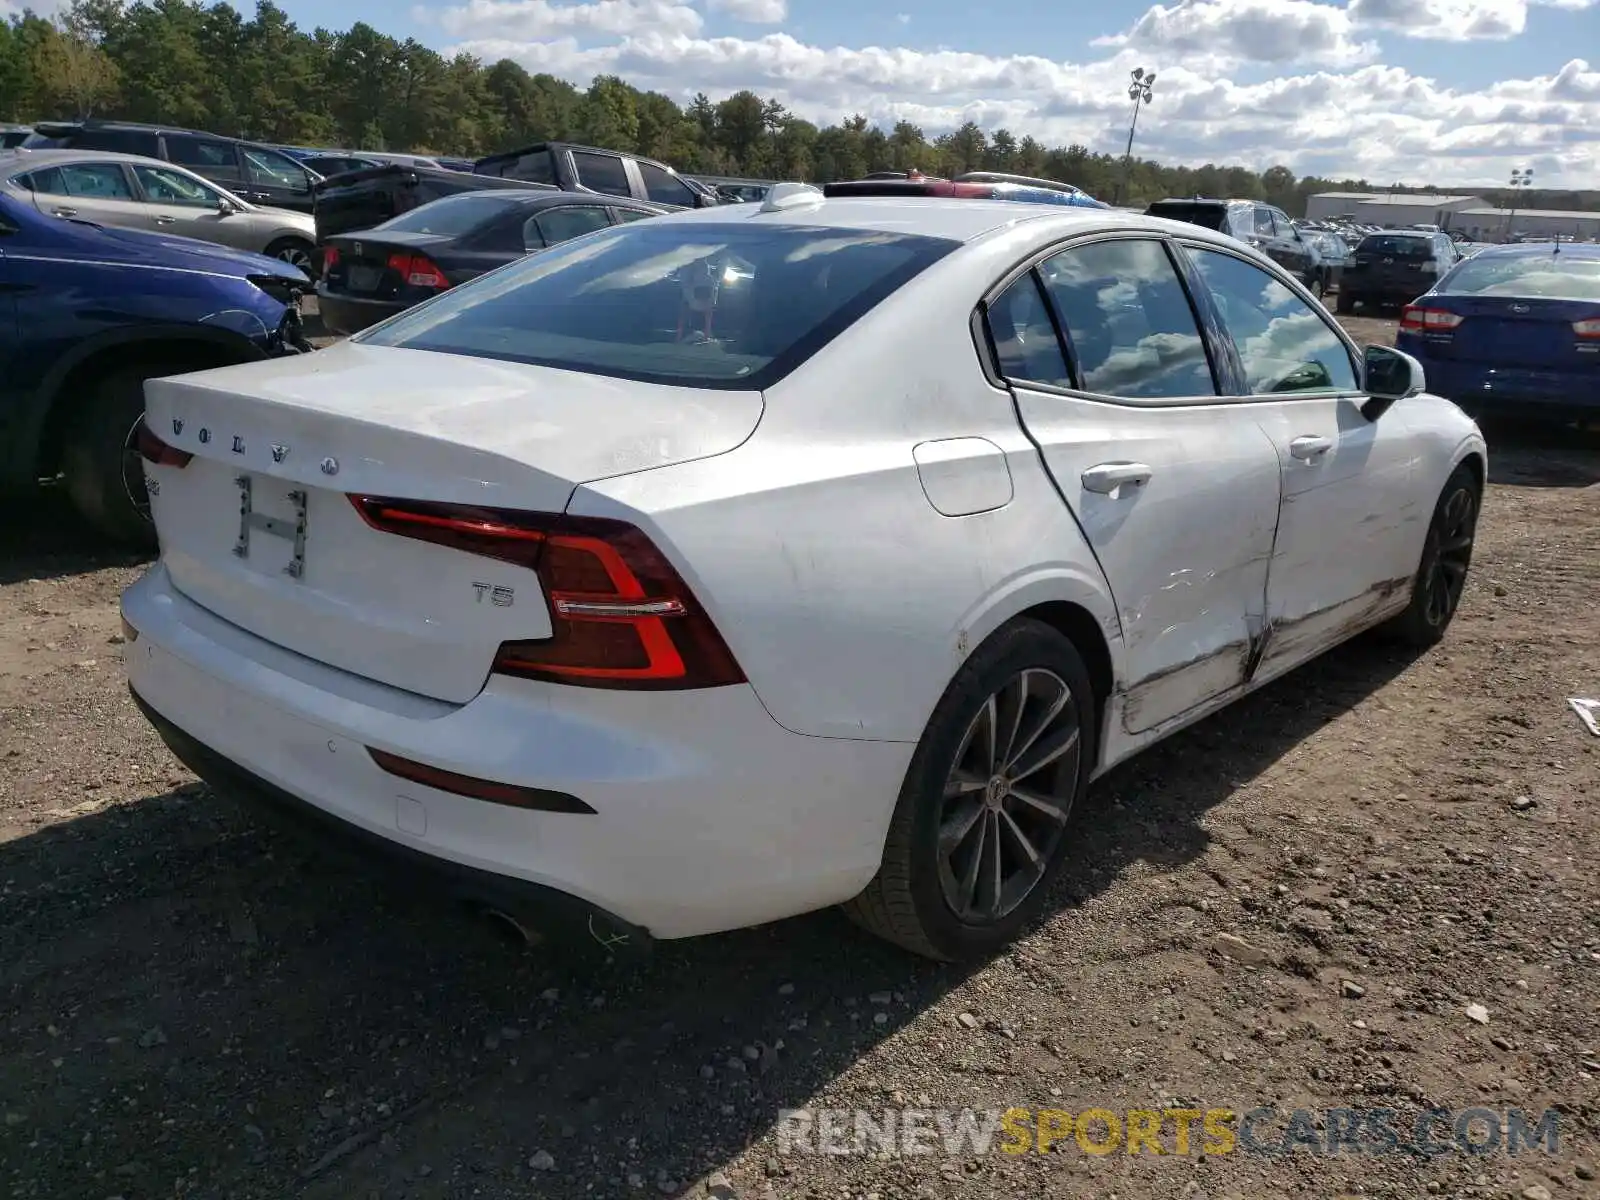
(1384, 290)
(552, 914)
(345, 315)
(1509, 392)
(708, 814)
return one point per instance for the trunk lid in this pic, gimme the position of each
(1512, 331)
(291, 439)
(364, 269)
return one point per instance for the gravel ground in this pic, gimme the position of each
(1297, 904)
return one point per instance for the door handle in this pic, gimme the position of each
(1310, 447)
(65, 212)
(1108, 477)
(166, 220)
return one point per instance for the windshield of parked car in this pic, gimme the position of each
(451, 216)
(1536, 276)
(699, 305)
(1393, 246)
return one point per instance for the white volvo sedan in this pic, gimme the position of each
(717, 568)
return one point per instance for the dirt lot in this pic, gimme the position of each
(193, 1007)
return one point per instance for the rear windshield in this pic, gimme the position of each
(1396, 247)
(693, 304)
(1536, 276)
(451, 216)
(1207, 216)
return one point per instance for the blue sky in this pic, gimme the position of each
(1449, 91)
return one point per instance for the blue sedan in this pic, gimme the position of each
(87, 314)
(1513, 331)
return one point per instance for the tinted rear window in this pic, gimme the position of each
(1207, 216)
(698, 305)
(1391, 246)
(1536, 276)
(451, 216)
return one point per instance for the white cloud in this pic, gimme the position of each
(903, 18)
(1267, 31)
(1313, 96)
(535, 20)
(757, 12)
(41, 8)
(1445, 20)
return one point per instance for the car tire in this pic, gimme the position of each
(297, 252)
(1446, 558)
(1029, 683)
(103, 472)
(1345, 305)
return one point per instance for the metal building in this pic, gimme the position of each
(1497, 224)
(1391, 210)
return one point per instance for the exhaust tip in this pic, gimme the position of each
(509, 928)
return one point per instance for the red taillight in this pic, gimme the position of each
(153, 450)
(330, 258)
(1420, 319)
(621, 614)
(418, 270)
(1588, 328)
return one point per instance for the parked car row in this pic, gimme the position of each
(257, 173)
(1263, 226)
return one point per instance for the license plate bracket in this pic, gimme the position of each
(291, 530)
(363, 278)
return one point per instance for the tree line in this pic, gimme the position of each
(205, 66)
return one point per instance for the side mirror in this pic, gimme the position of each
(226, 208)
(1389, 375)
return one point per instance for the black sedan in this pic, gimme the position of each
(372, 274)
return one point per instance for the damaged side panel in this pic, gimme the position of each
(1185, 550)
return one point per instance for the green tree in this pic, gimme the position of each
(72, 74)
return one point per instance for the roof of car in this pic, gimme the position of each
(1585, 250)
(548, 197)
(35, 159)
(961, 220)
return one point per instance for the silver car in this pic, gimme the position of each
(132, 192)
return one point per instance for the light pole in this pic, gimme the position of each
(1520, 181)
(1140, 91)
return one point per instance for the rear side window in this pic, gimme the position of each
(449, 217)
(563, 224)
(1130, 329)
(530, 168)
(267, 168)
(604, 173)
(1025, 342)
(204, 156)
(86, 181)
(1284, 344)
(1207, 216)
(664, 188)
(1263, 219)
(702, 305)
